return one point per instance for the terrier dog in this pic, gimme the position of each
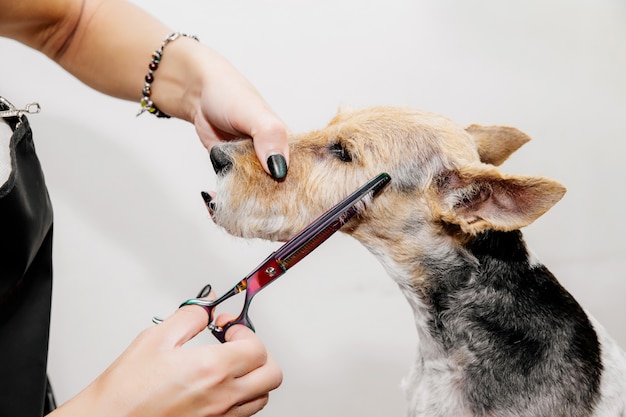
(499, 336)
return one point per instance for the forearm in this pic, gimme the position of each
(107, 44)
(110, 47)
(113, 44)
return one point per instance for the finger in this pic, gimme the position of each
(261, 373)
(260, 381)
(257, 384)
(223, 319)
(269, 135)
(270, 145)
(249, 408)
(183, 325)
(243, 351)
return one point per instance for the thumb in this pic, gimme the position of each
(236, 332)
(239, 332)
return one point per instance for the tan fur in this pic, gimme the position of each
(496, 143)
(418, 149)
(440, 190)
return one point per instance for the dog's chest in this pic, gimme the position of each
(500, 338)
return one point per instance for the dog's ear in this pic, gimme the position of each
(479, 198)
(496, 143)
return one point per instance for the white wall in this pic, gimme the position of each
(133, 238)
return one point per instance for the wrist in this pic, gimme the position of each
(174, 84)
(172, 77)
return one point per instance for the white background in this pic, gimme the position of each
(133, 238)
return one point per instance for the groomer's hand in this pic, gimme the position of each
(221, 103)
(155, 376)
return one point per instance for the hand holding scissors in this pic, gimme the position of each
(295, 249)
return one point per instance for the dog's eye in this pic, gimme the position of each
(340, 152)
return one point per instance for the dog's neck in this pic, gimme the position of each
(482, 304)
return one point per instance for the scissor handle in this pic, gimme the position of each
(220, 331)
(210, 305)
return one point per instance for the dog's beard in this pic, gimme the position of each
(249, 225)
(248, 207)
(247, 217)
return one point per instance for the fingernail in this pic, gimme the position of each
(277, 166)
(204, 291)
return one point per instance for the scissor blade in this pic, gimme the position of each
(312, 236)
(299, 246)
(328, 223)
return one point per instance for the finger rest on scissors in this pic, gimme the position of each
(208, 305)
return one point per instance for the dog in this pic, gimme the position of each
(498, 335)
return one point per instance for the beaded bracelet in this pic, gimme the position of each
(146, 102)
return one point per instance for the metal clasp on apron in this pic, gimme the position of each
(12, 111)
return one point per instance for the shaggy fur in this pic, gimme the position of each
(499, 336)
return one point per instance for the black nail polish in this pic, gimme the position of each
(204, 291)
(277, 166)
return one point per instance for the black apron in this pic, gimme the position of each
(25, 279)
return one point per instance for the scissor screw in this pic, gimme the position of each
(270, 271)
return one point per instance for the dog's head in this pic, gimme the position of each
(441, 174)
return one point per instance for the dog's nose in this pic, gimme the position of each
(220, 160)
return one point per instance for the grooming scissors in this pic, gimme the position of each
(294, 250)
